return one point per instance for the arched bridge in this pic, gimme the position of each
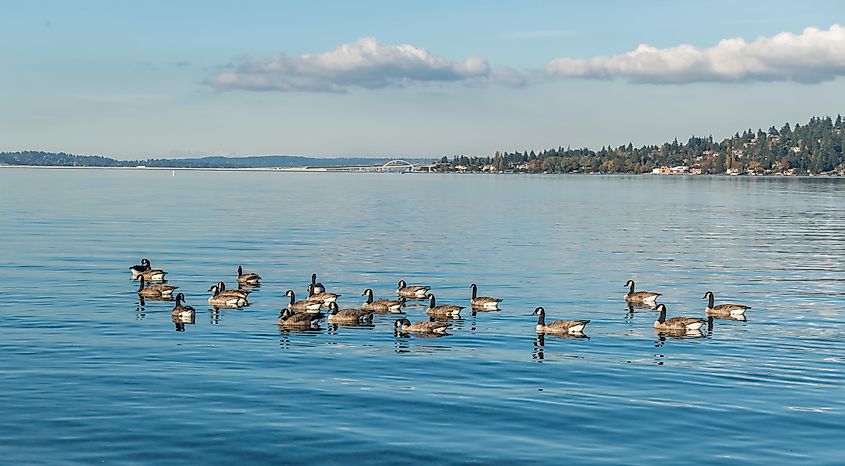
(397, 165)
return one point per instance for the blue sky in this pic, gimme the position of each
(158, 79)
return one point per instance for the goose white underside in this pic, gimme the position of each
(695, 326)
(487, 306)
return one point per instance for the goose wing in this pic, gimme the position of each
(428, 327)
(683, 322)
(565, 325)
(445, 309)
(642, 295)
(730, 307)
(353, 314)
(482, 300)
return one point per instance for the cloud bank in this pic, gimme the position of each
(813, 56)
(366, 63)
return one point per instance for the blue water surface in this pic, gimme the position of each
(89, 374)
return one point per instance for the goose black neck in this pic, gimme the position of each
(474, 291)
(431, 301)
(240, 270)
(710, 300)
(541, 318)
(369, 296)
(314, 279)
(662, 317)
(292, 297)
(631, 287)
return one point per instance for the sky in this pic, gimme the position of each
(132, 79)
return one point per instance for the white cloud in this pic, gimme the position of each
(366, 63)
(813, 56)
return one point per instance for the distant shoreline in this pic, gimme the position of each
(352, 170)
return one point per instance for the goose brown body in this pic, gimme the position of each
(483, 302)
(303, 305)
(645, 297)
(406, 326)
(154, 291)
(247, 278)
(381, 306)
(444, 310)
(181, 310)
(323, 297)
(348, 316)
(676, 323)
(300, 320)
(411, 291)
(558, 326)
(723, 309)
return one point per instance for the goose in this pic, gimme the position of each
(182, 311)
(299, 320)
(405, 326)
(220, 288)
(483, 302)
(676, 323)
(723, 309)
(413, 291)
(155, 291)
(138, 269)
(247, 278)
(445, 310)
(382, 306)
(304, 305)
(150, 274)
(645, 297)
(348, 316)
(323, 297)
(558, 326)
(223, 299)
(318, 287)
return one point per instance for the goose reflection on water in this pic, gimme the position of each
(181, 320)
(539, 352)
(403, 343)
(332, 329)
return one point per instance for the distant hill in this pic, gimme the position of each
(61, 159)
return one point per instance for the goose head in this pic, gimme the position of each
(285, 314)
(400, 323)
(539, 312)
(707, 295)
(402, 284)
(431, 300)
(333, 308)
(240, 270)
(145, 262)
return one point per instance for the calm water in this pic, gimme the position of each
(88, 375)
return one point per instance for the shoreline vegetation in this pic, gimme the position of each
(815, 148)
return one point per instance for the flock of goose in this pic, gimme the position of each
(305, 314)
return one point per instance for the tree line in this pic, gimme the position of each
(815, 147)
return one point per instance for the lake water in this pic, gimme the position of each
(88, 375)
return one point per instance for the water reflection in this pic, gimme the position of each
(180, 320)
(403, 342)
(539, 343)
(332, 329)
(662, 335)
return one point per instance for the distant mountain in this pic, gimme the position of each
(61, 159)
